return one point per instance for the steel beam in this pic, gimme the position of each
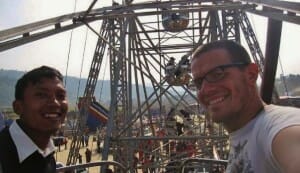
(277, 10)
(17, 36)
(271, 59)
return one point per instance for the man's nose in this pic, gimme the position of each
(53, 100)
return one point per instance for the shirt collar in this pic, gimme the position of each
(25, 146)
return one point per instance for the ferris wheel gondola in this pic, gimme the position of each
(175, 21)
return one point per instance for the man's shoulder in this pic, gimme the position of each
(276, 118)
(4, 134)
(280, 109)
(275, 113)
(6, 141)
(7, 147)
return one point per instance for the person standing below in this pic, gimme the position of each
(98, 143)
(79, 157)
(263, 138)
(86, 140)
(88, 155)
(82, 140)
(41, 103)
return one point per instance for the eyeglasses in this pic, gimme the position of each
(215, 74)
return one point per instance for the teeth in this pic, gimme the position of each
(51, 115)
(218, 100)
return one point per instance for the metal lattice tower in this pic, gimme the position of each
(88, 94)
(139, 48)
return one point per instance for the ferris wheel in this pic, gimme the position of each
(153, 119)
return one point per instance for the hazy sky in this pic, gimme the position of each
(54, 50)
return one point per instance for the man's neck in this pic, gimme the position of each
(41, 140)
(245, 115)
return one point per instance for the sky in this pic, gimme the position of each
(54, 50)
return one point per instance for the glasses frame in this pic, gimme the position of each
(199, 81)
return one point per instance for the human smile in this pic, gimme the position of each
(52, 115)
(215, 101)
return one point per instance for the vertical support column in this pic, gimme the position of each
(271, 60)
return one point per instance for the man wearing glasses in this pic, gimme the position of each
(263, 138)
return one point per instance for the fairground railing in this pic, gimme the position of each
(72, 168)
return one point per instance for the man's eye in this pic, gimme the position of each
(215, 74)
(61, 96)
(41, 95)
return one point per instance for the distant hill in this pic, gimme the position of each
(7, 82)
(289, 83)
(75, 88)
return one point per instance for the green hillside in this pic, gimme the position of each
(75, 88)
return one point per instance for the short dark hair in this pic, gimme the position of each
(34, 76)
(238, 52)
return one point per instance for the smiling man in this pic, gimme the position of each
(263, 138)
(41, 103)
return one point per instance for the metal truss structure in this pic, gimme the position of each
(140, 39)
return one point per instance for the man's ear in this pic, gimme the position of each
(252, 71)
(17, 106)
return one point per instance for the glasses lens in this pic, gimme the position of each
(215, 75)
(212, 76)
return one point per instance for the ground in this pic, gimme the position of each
(62, 155)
